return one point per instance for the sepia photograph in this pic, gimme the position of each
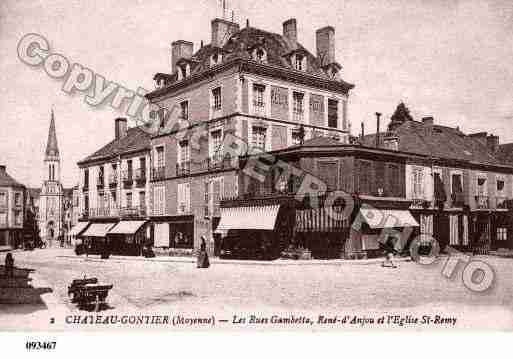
(255, 166)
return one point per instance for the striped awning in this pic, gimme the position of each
(126, 227)
(98, 229)
(323, 219)
(78, 228)
(387, 218)
(252, 217)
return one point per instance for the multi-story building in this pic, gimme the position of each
(12, 203)
(113, 189)
(461, 190)
(262, 88)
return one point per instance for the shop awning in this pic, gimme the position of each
(126, 227)
(78, 228)
(253, 217)
(388, 218)
(97, 229)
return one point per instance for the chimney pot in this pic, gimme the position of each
(290, 31)
(120, 127)
(325, 43)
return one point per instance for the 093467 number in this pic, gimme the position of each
(35, 345)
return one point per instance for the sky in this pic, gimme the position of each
(449, 59)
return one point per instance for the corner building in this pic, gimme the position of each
(264, 88)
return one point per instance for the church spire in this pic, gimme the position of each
(52, 149)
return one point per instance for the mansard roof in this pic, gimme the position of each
(7, 181)
(239, 47)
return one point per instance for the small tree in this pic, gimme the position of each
(400, 116)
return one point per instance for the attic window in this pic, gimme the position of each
(215, 59)
(260, 55)
(298, 62)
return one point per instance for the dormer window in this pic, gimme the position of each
(183, 70)
(260, 55)
(216, 59)
(298, 62)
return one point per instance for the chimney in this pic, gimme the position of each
(378, 115)
(325, 42)
(363, 130)
(428, 120)
(120, 127)
(180, 49)
(290, 31)
(222, 30)
(492, 142)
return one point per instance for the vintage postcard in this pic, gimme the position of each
(256, 166)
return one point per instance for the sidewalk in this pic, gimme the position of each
(280, 262)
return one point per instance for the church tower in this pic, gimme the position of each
(51, 198)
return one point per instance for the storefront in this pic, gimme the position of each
(173, 234)
(127, 238)
(94, 237)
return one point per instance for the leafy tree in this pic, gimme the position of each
(401, 115)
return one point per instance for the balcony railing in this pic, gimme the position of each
(140, 176)
(482, 202)
(158, 173)
(133, 211)
(419, 202)
(458, 199)
(183, 169)
(103, 212)
(113, 179)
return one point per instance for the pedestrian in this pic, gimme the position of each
(389, 253)
(203, 261)
(9, 265)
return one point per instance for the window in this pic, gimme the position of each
(86, 178)
(184, 198)
(17, 199)
(298, 63)
(159, 194)
(332, 113)
(3, 199)
(394, 179)
(296, 137)
(129, 200)
(101, 200)
(142, 168)
(500, 185)
(18, 218)
(114, 199)
(328, 174)
(260, 55)
(184, 157)
(142, 199)
(365, 177)
(86, 202)
(215, 59)
(297, 106)
(439, 189)
(457, 190)
(258, 99)
(417, 183)
(502, 234)
(160, 156)
(130, 169)
(258, 139)
(101, 172)
(216, 99)
(184, 107)
(114, 173)
(216, 142)
(481, 186)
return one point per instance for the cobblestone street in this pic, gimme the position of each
(155, 286)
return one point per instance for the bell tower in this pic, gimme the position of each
(52, 158)
(51, 210)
